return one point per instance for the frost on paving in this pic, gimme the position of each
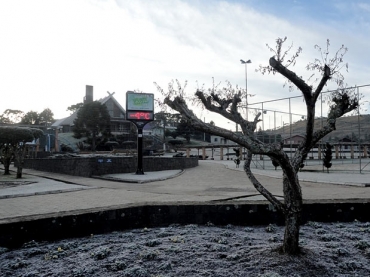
(338, 249)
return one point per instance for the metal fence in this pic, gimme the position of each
(284, 117)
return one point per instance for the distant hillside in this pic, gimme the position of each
(346, 127)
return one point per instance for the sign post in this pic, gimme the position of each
(140, 111)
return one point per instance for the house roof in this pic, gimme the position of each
(69, 120)
(110, 96)
(65, 121)
(292, 136)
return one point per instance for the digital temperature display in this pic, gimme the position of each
(140, 116)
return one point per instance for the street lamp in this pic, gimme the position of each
(246, 84)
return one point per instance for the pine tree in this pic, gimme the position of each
(327, 156)
(275, 163)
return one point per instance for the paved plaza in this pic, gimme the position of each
(44, 194)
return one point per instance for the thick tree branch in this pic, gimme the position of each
(222, 109)
(259, 187)
(290, 75)
(247, 139)
(325, 78)
(342, 105)
(232, 114)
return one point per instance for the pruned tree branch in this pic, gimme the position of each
(290, 75)
(325, 78)
(259, 187)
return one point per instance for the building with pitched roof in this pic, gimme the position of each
(119, 124)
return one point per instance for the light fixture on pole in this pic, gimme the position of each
(246, 84)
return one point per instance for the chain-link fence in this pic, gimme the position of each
(284, 120)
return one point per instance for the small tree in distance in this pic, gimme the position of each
(11, 116)
(13, 144)
(275, 163)
(46, 117)
(92, 119)
(327, 156)
(74, 108)
(228, 101)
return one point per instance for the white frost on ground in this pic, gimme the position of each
(330, 249)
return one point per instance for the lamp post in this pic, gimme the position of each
(246, 84)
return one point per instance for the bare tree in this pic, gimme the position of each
(228, 102)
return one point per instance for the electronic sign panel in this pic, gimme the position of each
(140, 101)
(136, 115)
(139, 106)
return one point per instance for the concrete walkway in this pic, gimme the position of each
(44, 194)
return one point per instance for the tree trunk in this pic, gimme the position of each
(7, 159)
(293, 209)
(291, 235)
(19, 165)
(93, 141)
(19, 172)
(19, 156)
(6, 162)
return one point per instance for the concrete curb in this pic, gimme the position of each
(125, 178)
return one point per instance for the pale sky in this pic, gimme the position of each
(51, 49)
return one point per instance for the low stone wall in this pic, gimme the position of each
(14, 234)
(100, 165)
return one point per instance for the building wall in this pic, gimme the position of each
(220, 140)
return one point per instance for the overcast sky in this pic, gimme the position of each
(51, 49)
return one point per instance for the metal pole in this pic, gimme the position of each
(164, 133)
(359, 130)
(290, 119)
(204, 133)
(275, 126)
(246, 91)
(263, 136)
(139, 170)
(320, 142)
(246, 86)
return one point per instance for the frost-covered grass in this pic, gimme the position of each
(338, 249)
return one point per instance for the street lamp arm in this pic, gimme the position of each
(243, 62)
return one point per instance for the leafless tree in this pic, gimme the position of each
(228, 102)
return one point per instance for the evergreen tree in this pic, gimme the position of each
(11, 116)
(327, 153)
(274, 163)
(46, 117)
(92, 119)
(237, 156)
